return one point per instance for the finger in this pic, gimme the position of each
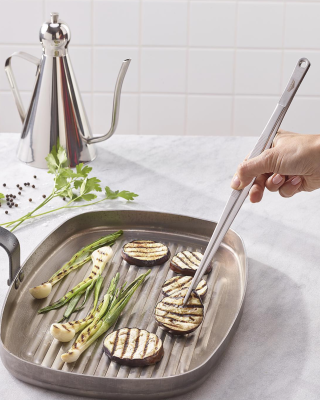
(291, 186)
(256, 166)
(275, 182)
(256, 192)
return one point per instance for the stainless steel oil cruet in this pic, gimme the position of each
(56, 112)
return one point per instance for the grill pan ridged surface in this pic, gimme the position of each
(27, 343)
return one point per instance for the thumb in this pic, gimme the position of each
(249, 169)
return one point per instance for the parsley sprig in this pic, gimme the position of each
(73, 185)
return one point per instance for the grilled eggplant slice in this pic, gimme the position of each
(133, 347)
(174, 317)
(145, 253)
(181, 282)
(187, 263)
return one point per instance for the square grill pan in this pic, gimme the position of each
(30, 353)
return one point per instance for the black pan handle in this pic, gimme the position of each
(12, 246)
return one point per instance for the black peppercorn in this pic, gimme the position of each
(8, 204)
(16, 205)
(63, 198)
(17, 185)
(30, 199)
(33, 186)
(35, 176)
(6, 212)
(4, 185)
(19, 192)
(14, 196)
(44, 196)
(20, 187)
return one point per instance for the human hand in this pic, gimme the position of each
(291, 166)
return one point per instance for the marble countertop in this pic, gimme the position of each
(276, 351)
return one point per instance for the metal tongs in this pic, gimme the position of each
(238, 196)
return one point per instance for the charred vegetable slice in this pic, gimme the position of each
(175, 318)
(181, 282)
(187, 263)
(145, 253)
(133, 347)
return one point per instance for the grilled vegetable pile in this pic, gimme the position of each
(180, 282)
(113, 304)
(76, 261)
(145, 253)
(187, 263)
(65, 332)
(133, 347)
(174, 317)
(100, 258)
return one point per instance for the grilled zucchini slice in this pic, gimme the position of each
(133, 347)
(181, 282)
(145, 253)
(187, 263)
(174, 317)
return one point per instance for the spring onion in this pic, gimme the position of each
(76, 261)
(100, 258)
(113, 304)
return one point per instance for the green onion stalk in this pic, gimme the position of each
(100, 257)
(65, 332)
(114, 303)
(77, 260)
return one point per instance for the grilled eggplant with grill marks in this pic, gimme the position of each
(174, 317)
(187, 263)
(133, 347)
(145, 253)
(181, 282)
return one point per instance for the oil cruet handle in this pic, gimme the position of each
(12, 246)
(116, 105)
(12, 81)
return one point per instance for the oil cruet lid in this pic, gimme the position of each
(55, 36)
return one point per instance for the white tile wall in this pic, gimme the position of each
(199, 67)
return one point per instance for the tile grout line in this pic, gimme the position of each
(140, 69)
(283, 48)
(186, 103)
(165, 94)
(234, 74)
(156, 47)
(92, 70)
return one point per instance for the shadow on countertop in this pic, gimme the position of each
(267, 355)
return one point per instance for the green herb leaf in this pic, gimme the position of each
(62, 155)
(93, 185)
(83, 171)
(52, 164)
(89, 196)
(125, 194)
(1, 196)
(61, 182)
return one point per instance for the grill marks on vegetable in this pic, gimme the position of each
(100, 258)
(145, 253)
(187, 262)
(173, 316)
(65, 332)
(178, 283)
(133, 347)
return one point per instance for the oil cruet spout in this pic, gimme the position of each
(116, 105)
